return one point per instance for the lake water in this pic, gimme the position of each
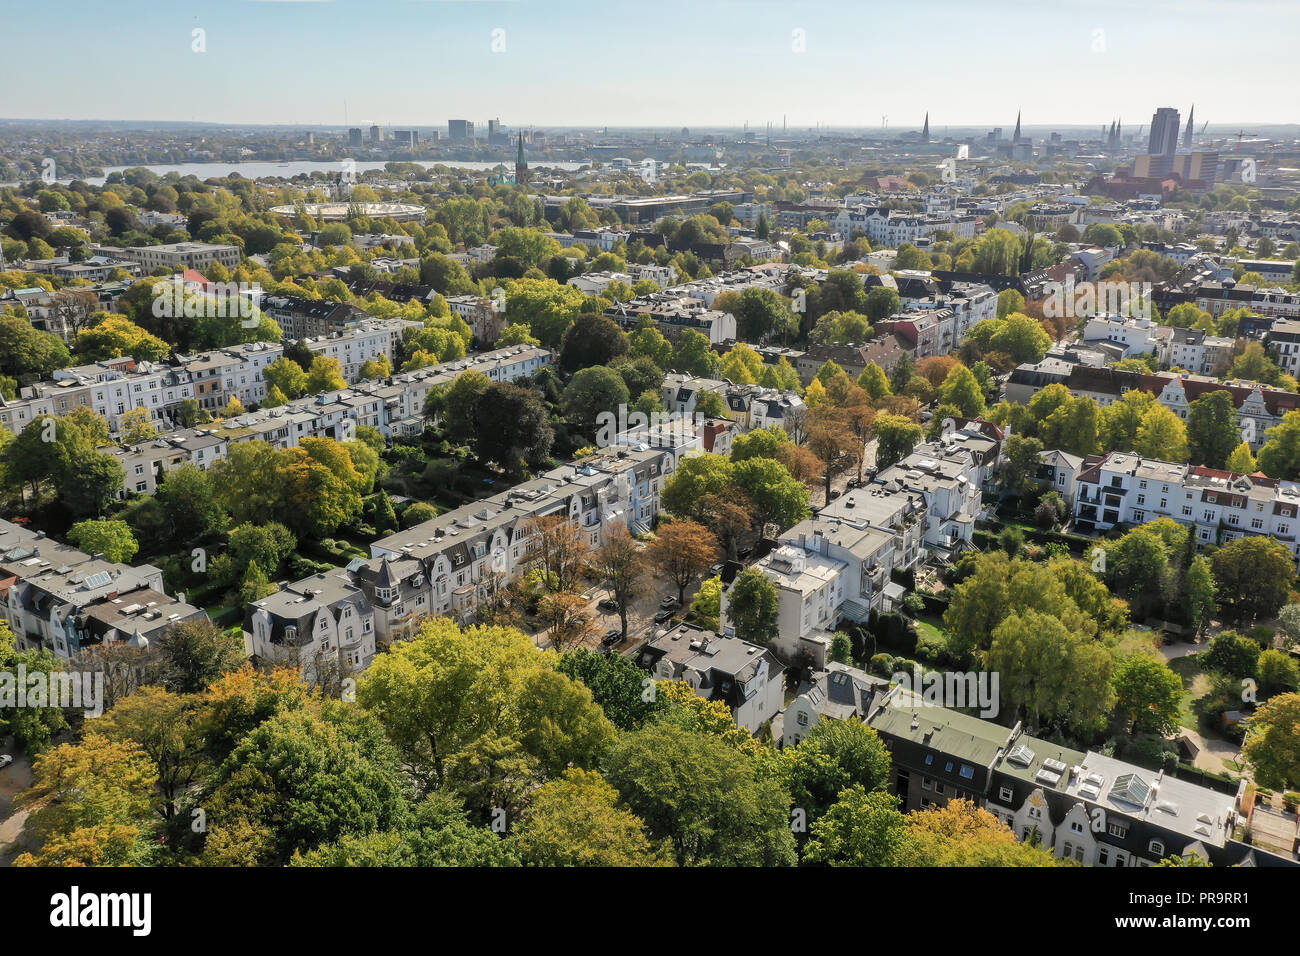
(257, 170)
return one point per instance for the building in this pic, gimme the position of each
(62, 600)
(1123, 488)
(460, 131)
(743, 676)
(1086, 807)
(839, 692)
(177, 255)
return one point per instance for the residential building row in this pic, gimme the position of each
(1258, 407)
(63, 600)
(449, 564)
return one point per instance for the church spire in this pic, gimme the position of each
(521, 164)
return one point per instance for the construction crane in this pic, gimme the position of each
(1203, 128)
(1240, 134)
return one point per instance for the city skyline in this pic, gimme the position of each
(815, 64)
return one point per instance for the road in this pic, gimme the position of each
(14, 779)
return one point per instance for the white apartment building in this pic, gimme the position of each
(1219, 506)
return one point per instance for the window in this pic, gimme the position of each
(938, 787)
(967, 772)
(1157, 848)
(1142, 499)
(1103, 856)
(1118, 830)
(1005, 795)
(1076, 826)
(925, 783)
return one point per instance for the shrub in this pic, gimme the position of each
(882, 664)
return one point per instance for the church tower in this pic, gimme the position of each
(521, 164)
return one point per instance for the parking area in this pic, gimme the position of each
(641, 613)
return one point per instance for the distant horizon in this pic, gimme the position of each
(591, 63)
(936, 129)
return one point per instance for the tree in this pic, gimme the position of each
(696, 478)
(896, 436)
(561, 550)
(882, 302)
(617, 685)
(836, 755)
(702, 796)
(759, 443)
(752, 606)
(832, 441)
(1254, 576)
(960, 833)
(115, 336)
(729, 515)
(136, 425)
(91, 804)
(440, 692)
(188, 495)
(694, 355)
(1149, 693)
(862, 828)
(325, 375)
(1232, 654)
(590, 393)
(1162, 435)
(1280, 456)
(1241, 461)
(27, 353)
(591, 340)
(568, 618)
(298, 781)
(681, 552)
(577, 821)
(164, 725)
(1273, 742)
(775, 495)
(547, 307)
(111, 538)
(193, 654)
(1201, 592)
(512, 428)
(1278, 672)
(874, 380)
(286, 375)
(762, 315)
(1049, 671)
(1021, 337)
(618, 563)
(1212, 429)
(962, 389)
(560, 724)
(1019, 471)
(1072, 427)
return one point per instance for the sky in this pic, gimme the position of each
(668, 63)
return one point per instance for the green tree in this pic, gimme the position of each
(577, 821)
(962, 389)
(1212, 432)
(702, 796)
(1149, 693)
(111, 538)
(862, 828)
(1254, 576)
(896, 436)
(752, 605)
(1273, 742)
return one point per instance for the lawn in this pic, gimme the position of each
(1196, 684)
(930, 630)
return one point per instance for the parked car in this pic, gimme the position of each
(663, 617)
(612, 636)
(715, 570)
(669, 603)
(5, 760)
(609, 606)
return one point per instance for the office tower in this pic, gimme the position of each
(1187, 136)
(925, 130)
(376, 134)
(460, 130)
(354, 137)
(1163, 141)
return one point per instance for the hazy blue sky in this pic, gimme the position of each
(652, 62)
